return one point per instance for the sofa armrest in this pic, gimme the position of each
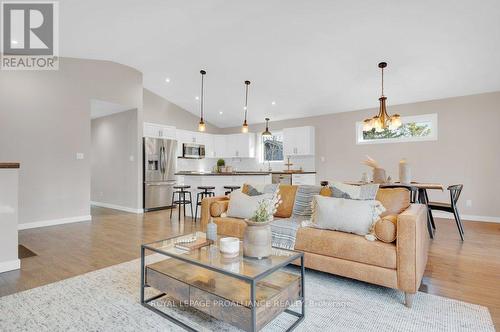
(412, 247)
(205, 209)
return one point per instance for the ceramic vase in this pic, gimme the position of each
(257, 239)
(404, 172)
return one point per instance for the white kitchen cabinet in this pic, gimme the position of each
(308, 179)
(220, 146)
(298, 141)
(240, 145)
(159, 131)
(208, 141)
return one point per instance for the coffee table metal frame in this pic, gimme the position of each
(251, 280)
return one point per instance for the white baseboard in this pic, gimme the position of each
(442, 214)
(52, 222)
(10, 265)
(117, 207)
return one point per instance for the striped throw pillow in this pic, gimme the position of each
(303, 200)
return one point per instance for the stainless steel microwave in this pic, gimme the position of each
(193, 151)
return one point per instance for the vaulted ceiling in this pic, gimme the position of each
(309, 57)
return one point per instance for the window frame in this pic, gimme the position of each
(261, 144)
(432, 118)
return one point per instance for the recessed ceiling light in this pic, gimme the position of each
(197, 98)
(220, 112)
(167, 80)
(273, 103)
(14, 42)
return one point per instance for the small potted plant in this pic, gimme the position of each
(221, 165)
(257, 239)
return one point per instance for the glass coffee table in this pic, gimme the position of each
(245, 292)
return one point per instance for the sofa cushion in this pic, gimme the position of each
(385, 228)
(303, 200)
(395, 200)
(346, 246)
(287, 193)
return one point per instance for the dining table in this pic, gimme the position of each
(418, 194)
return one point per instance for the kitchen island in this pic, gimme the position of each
(219, 180)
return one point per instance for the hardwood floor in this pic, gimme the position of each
(468, 271)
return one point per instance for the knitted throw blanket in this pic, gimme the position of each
(284, 232)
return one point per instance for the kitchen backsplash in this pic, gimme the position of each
(245, 164)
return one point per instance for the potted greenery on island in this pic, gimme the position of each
(221, 163)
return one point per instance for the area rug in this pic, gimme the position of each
(108, 300)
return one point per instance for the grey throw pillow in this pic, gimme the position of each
(347, 191)
(251, 191)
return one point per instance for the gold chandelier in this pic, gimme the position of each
(382, 120)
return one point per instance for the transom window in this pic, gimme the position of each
(413, 129)
(272, 147)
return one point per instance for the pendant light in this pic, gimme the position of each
(267, 132)
(244, 128)
(382, 120)
(201, 125)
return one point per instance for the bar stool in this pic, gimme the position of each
(207, 192)
(230, 189)
(181, 202)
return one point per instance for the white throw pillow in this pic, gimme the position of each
(243, 206)
(346, 215)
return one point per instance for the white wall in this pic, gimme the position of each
(45, 121)
(9, 259)
(161, 111)
(114, 154)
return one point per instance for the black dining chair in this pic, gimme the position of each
(451, 207)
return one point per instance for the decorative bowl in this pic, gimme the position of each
(229, 245)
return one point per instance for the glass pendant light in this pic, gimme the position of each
(201, 125)
(382, 120)
(267, 132)
(244, 128)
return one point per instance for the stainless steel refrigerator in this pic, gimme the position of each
(159, 172)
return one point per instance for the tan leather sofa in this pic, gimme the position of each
(399, 265)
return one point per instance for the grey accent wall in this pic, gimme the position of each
(466, 151)
(113, 158)
(161, 111)
(45, 121)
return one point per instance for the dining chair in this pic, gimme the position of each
(451, 207)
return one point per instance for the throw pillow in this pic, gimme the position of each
(287, 193)
(218, 208)
(251, 191)
(364, 192)
(395, 200)
(259, 189)
(385, 229)
(303, 200)
(243, 206)
(345, 215)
